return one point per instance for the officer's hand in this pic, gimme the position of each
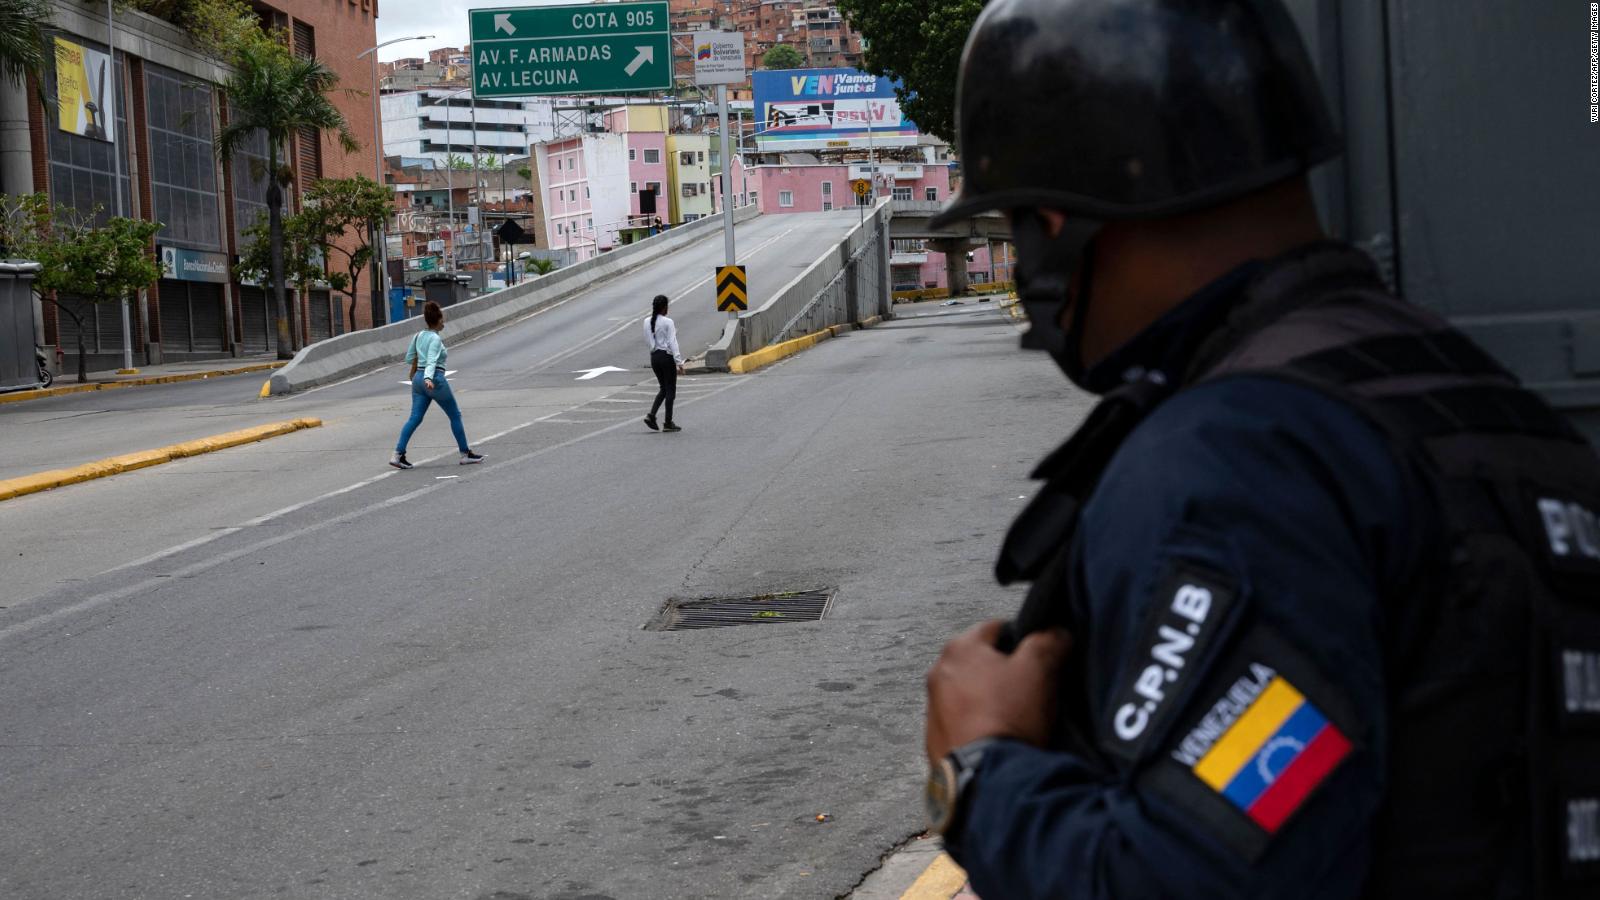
(975, 691)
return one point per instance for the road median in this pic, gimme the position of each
(41, 393)
(128, 462)
(766, 356)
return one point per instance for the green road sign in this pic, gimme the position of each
(592, 48)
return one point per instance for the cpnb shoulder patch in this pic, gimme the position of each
(1189, 610)
(1264, 747)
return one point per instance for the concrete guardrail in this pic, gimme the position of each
(848, 284)
(361, 351)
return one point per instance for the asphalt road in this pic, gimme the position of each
(436, 684)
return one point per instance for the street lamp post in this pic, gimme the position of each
(379, 246)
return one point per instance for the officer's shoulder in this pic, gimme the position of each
(1292, 426)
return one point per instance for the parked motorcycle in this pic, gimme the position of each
(44, 367)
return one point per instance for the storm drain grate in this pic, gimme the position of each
(763, 609)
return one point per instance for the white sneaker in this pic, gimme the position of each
(399, 461)
(469, 458)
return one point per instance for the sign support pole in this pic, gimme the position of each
(116, 155)
(727, 184)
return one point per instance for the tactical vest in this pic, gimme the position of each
(1492, 650)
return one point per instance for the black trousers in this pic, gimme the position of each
(666, 370)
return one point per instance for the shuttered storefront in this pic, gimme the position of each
(102, 332)
(321, 318)
(191, 319)
(259, 321)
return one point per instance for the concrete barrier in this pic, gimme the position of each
(361, 351)
(846, 285)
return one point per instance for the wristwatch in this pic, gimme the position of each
(947, 784)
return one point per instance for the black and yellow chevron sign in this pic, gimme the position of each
(732, 293)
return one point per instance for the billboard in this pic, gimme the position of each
(827, 109)
(83, 76)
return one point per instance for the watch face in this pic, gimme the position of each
(938, 796)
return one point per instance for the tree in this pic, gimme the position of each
(217, 28)
(491, 161)
(22, 47)
(338, 208)
(98, 264)
(918, 42)
(301, 268)
(280, 94)
(542, 266)
(457, 163)
(782, 56)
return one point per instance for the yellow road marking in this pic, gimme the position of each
(939, 881)
(116, 465)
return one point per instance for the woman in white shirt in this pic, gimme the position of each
(665, 360)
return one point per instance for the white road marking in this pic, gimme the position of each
(97, 600)
(596, 372)
(447, 374)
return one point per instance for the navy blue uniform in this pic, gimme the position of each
(1226, 679)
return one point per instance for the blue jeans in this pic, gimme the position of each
(421, 397)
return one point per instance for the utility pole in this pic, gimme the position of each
(116, 155)
(727, 183)
(477, 185)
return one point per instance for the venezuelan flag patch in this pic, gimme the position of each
(1273, 755)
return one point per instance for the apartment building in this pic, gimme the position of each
(438, 123)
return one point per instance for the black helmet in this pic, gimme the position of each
(1118, 109)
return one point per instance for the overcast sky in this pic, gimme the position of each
(447, 19)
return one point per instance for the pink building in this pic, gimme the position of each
(644, 131)
(583, 187)
(819, 187)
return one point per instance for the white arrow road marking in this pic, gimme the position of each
(502, 22)
(587, 374)
(447, 374)
(646, 54)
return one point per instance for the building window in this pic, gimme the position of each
(633, 187)
(572, 194)
(653, 187)
(827, 189)
(700, 156)
(932, 193)
(902, 193)
(755, 197)
(249, 171)
(183, 174)
(652, 157)
(81, 168)
(633, 154)
(686, 158)
(786, 198)
(586, 192)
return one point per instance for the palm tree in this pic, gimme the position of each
(280, 94)
(22, 24)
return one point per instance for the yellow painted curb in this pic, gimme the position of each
(266, 389)
(128, 462)
(766, 356)
(939, 881)
(41, 393)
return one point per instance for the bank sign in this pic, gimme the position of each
(193, 265)
(588, 49)
(822, 109)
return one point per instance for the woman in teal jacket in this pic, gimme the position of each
(428, 385)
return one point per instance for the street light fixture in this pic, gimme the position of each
(379, 242)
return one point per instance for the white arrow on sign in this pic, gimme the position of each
(597, 372)
(646, 54)
(502, 22)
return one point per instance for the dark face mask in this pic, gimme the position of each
(1045, 267)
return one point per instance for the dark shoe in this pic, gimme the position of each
(469, 458)
(399, 461)
(650, 422)
(670, 427)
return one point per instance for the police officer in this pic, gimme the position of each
(1315, 590)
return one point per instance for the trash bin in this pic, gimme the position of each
(446, 289)
(18, 368)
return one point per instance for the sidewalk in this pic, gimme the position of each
(920, 870)
(167, 373)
